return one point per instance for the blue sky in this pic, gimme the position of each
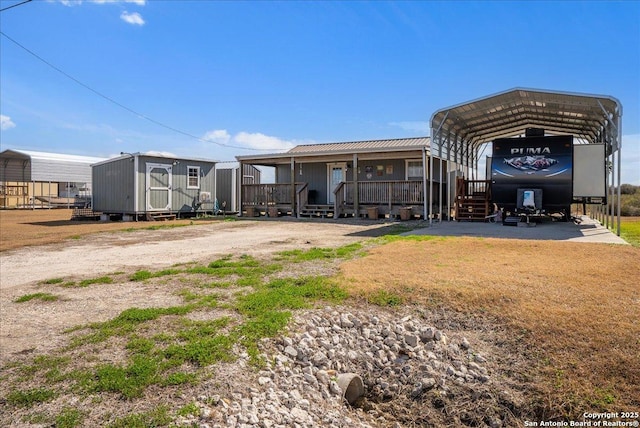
(269, 75)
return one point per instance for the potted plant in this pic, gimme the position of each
(372, 213)
(405, 213)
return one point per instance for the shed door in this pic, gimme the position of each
(159, 180)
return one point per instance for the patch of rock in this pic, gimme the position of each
(411, 371)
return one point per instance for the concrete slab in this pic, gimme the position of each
(584, 229)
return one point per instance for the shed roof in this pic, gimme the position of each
(153, 155)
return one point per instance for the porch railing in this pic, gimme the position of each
(266, 194)
(390, 193)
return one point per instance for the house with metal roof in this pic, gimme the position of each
(374, 178)
(153, 186)
(32, 179)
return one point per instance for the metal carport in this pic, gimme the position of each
(458, 132)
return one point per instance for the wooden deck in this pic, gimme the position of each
(391, 198)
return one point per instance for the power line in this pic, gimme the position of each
(124, 107)
(15, 5)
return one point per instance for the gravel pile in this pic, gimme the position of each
(412, 373)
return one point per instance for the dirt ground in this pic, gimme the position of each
(557, 294)
(84, 254)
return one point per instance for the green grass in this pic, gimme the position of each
(45, 297)
(384, 298)
(53, 281)
(68, 418)
(125, 323)
(30, 397)
(141, 275)
(182, 351)
(630, 230)
(190, 409)
(100, 280)
(158, 417)
(130, 380)
(316, 253)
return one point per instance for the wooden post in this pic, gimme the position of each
(356, 195)
(293, 187)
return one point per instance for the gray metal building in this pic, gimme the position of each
(150, 184)
(29, 178)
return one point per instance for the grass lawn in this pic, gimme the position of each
(572, 308)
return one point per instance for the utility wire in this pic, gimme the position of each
(124, 107)
(15, 5)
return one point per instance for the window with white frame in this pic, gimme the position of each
(414, 170)
(193, 177)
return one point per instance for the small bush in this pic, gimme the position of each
(53, 281)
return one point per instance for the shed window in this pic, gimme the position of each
(414, 169)
(193, 177)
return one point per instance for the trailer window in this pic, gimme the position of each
(193, 177)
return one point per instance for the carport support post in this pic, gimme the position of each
(619, 166)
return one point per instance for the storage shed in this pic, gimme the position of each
(30, 179)
(153, 186)
(228, 180)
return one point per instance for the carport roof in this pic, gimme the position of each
(590, 118)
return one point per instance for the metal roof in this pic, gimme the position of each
(27, 165)
(590, 118)
(161, 155)
(347, 147)
(370, 146)
(46, 156)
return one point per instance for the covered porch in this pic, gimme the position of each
(376, 179)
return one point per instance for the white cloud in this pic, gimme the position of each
(219, 136)
(260, 141)
(249, 140)
(132, 18)
(6, 122)
(413, 126)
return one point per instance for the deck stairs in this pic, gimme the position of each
(316, 210)
(473, 200)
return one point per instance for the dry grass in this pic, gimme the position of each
(573, 308)
(19, 228)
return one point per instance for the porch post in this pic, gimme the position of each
(240, 179)
(424, 182)
(356, 195)
(293, 187)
